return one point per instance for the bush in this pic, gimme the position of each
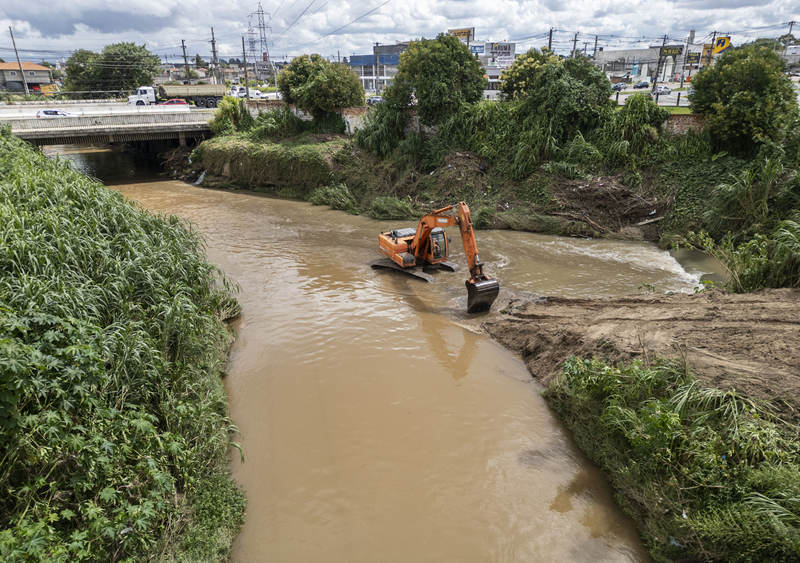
(390, 207)
(337, 196)
(112, 347)
(709, 474)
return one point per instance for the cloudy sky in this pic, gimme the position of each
(51, 29)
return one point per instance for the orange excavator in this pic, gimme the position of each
(409, 250)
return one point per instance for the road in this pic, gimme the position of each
(85, 109)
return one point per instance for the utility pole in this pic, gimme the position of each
(574, 45)
(214, 52)
(711, 51)
(658, 66)
(185, 61)
(244, 58)
(594, 55)
(22, 72)
(685, 56)
(550, 40)
(585, 44)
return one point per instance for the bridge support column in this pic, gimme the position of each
(182, 138)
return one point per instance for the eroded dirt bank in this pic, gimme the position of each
(749, 342)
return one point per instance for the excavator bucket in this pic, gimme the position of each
(481, 293)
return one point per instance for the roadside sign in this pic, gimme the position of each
(671, 51)
(721, 44)
(476, 49)
(465, 34)
(692, 58)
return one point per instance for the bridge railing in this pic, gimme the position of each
(121, 121)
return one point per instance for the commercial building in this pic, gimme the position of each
(376, 71)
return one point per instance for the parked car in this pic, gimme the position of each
(51, 113)
(663, 90)
(173, 102)
(642, 84)
(618, 87)
(373, 100)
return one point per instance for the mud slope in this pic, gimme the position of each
(747, 342)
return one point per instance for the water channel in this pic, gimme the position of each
(378, 422)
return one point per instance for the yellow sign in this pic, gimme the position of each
(721, 44)
(466, 33)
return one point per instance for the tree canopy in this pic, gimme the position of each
(199, 62)
(319, 86)
(121, 66)
(519, 78)
(746, 98)
(441, 74)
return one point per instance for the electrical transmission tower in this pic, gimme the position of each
(262, 61)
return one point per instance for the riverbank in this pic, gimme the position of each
(690, 406)
(602, 206)
(114, 431)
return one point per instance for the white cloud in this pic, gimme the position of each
(50, 29)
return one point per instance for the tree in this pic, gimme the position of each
(516, 80)
(441, 74)
(120, 66)
(318, 86)
(746, 99)
(2, 60)
(777, 44)
(199, 62)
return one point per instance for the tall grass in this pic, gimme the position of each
(709, 474)
(113, 418)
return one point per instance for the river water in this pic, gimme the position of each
(378, 422)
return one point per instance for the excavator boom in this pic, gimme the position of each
(427, 246)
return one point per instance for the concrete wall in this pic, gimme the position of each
(680, 124)
(353, 117)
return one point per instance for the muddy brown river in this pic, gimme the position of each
(378, 422)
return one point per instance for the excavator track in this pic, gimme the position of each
(388, 266)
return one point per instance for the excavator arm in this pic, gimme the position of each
(482, 290)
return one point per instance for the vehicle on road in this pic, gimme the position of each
(663, 90)
(53, 113)
(202, 95)
(618, 87)
(173, 102)
(642, 84)
(412, 251)
(374, 100)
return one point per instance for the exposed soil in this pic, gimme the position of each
(610, 207)
(748, 342)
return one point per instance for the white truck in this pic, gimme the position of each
(203, 95)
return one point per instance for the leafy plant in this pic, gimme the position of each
(319, 86)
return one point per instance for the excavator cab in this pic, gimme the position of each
(438, 246)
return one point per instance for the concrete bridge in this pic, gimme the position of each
(100, 129)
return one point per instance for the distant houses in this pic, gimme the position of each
(36, 76)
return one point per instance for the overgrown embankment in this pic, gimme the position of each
(703, 448)
(114, 431)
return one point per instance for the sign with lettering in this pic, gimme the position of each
(692, 58)
(476, 49)
(671, 51)
(501, 49)
(466, 33)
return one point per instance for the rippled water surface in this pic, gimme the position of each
(378, 422)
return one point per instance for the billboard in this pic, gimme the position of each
(476, 49)
(671, 51)
(721, 44)
(465, 34)
(692, 58)
(498, 50)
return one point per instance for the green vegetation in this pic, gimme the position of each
(121, 66)
(708, 475)
(747, 100)
(442, 74)
(318, 86)
(114, 432)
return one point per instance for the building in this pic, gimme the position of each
(35, 75)
(376, 71)
(495, 57)
(792, 57)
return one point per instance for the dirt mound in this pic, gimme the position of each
(747, 342)
(609, 207)
(462, 176)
